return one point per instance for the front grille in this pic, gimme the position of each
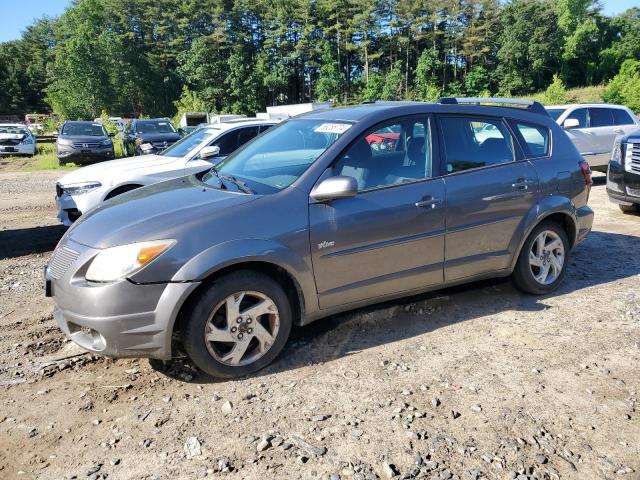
(59, 190)
(634, 164)
(9, 142)
(61, 260)
(86, 145)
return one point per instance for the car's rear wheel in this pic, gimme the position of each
(633, 208)
(238, 325)
(541, 266)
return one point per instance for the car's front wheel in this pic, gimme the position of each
(541, 266)
(238, 325)
(629, 208)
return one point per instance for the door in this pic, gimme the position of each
(489, 191)
(603, 133)
(389, 238)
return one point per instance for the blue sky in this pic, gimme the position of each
(18, 14)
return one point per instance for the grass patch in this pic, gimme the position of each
(576, 95)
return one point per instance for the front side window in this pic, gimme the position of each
(396, 153)
(188, 144)
(536, 139)
(581, 115)
(279, 157)
(475, 142)
(246, 134)
(622, 117)
(600, 117)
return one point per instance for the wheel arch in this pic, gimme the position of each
(276, 272)
(558, 210)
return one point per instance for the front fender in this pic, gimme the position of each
(545, 207)
(237, 252)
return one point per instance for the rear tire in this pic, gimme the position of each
(238, 325)
(543, 260)
(630, 208)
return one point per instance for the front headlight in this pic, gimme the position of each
(616, 154)
(80, 188)
(114, 263)
(146, 146)
(27, 141)
(106, 143)
(64, 142)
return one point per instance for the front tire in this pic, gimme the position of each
(629, 208)
(542, 263)
(238, 325)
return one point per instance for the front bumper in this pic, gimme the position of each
(623, 187)
(18, 149)
(70, 208)
(118, 319)
(80, 157)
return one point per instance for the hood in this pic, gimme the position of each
(84, 138)
(110, 170)
(12, 136)
(172, 209)
(159, 137)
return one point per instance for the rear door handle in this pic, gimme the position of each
(428, 202)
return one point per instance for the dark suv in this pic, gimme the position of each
(623, 177)
(144, 137)
(83, 142)
(313, 218)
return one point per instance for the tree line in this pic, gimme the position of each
(153, 57)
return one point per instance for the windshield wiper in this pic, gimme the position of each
(238, 183)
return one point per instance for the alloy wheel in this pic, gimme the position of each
(242, 328)
(546, 257)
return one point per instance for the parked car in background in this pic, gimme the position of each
(83, 189)
(17, 139)
(623, 177)
(310, 219)
(144, 137)
(83, 142)
(593, 127)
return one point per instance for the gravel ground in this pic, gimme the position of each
(478, 381)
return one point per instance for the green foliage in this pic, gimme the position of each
(160, 58)
(556, 93)
(625, 87)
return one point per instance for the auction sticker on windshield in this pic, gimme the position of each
(332, 128)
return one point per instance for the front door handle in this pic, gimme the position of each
(521, 184)
(428, 202)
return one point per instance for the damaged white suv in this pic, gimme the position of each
(16, 139)
(83, 189)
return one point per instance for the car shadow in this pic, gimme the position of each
(348, 333)
(26, 241)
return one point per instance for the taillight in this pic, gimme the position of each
(586, 173)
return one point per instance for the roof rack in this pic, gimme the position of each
(532, 105)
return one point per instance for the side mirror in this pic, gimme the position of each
(335, 187)
(111, 134)
(570, 123)
(209, 152)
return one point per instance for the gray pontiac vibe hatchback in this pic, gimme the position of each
(329, 211)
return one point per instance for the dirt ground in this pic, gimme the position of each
(479, 381)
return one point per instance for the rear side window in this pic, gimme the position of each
(580, 115)
(535, 138)
(600, 117)
(475, 142)
(622, 117)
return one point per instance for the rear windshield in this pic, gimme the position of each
(154, 126)
(85, 129)
(555, 112)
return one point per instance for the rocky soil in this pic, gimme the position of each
(476, 382)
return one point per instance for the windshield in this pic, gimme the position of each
(84, 129)
(187, 144)
(154, 126)
(14, 129)
(555, 112)
(276, 159)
